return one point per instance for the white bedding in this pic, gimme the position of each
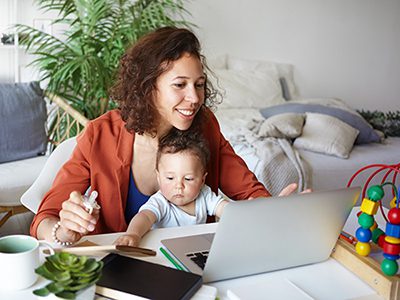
(240, 114)
(233, 121)
(330, 172)
(327, 172)
(263, 153)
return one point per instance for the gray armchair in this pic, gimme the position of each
(28, 134)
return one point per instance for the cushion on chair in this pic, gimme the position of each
(22, 121)
(34, 195)
(17, 177)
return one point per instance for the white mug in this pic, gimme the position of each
(19, 257)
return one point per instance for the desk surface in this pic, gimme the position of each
(326, 280)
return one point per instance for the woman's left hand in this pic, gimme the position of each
(292, 188)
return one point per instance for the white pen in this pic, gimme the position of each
(89, 200)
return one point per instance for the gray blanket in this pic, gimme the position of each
(279, 163)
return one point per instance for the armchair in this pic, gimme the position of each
(32, 197)
(18, 175)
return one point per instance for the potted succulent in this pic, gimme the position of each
(71, 276)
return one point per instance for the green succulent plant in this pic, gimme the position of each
(69, 273)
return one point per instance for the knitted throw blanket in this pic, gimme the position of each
(279, 164)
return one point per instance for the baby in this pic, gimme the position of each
(183, 198)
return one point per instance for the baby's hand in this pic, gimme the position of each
(128, 240)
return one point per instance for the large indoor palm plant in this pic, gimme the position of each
(80, 62)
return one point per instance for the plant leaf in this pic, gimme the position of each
(44, 272)
(66, 295)
(43, 292)
(55, 287)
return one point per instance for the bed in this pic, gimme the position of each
(319, 143)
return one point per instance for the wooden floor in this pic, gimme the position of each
(18, 224)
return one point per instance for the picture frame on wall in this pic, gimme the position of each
(44, 25)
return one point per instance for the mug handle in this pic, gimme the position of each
(48, 247)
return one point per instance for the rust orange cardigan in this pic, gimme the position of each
(103, 157)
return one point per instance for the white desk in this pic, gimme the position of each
(326, 280)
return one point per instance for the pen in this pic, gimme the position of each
(89, 200)
(171, 259)
(126, 249)
(348, 237)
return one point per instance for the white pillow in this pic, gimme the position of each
(248, 89)
(327, 135)
(287, 125)
(283, 70)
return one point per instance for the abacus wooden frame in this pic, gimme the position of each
(368, 269)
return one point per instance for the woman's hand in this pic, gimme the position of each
(75, 221)
(291, 188)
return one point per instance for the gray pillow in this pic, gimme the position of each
(287, 125)
(327, 135)
(367, 133)
(22, 121)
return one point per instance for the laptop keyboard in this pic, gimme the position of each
(199, 258)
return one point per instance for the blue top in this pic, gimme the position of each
(135, 199)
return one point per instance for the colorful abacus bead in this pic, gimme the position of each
(363, 249)
(389, 267)
(393, 202)
(366, 220)
(375, 193)
(394, 215)
(391, 249)
(369, 207)
(373, 227)
(381, 240)
(392, 240)
(363, 235)
(376, 234)
(393, 230)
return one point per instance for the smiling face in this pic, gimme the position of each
(180, 176)
(180, 93)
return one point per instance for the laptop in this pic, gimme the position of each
(267, 234)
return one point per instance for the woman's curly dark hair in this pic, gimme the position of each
(139, 69)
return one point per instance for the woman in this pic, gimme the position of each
(162, 84)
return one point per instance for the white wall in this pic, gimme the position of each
(348, 49)
(14, 60)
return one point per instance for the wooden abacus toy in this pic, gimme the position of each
(389, 240)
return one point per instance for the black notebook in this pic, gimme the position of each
(122, 276)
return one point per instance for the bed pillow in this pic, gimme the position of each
(326, 135)
(288, 125)
(367, 133)
(22, 121)
(248, 89)
(285, 71)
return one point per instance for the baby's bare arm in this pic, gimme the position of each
(220, 208)
(140, 224)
